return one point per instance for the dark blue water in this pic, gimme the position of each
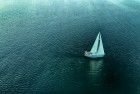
(42, 43)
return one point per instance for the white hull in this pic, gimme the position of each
(91, 55)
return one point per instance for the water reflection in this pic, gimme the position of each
(95, 75)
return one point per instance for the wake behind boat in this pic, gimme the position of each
(97, 50)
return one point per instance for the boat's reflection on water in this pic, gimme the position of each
(95, 75)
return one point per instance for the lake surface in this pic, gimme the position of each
(42, 43)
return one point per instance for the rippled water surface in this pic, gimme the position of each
(42, 43)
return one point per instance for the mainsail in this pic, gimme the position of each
(97, 47)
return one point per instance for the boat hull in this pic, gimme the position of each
(93, 56)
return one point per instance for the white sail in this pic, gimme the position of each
(98, 46)
(101, 49)
(95, 45)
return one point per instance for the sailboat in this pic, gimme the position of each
(97, 50)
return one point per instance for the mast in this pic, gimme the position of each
(98, 42)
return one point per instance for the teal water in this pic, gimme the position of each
(42, 43)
